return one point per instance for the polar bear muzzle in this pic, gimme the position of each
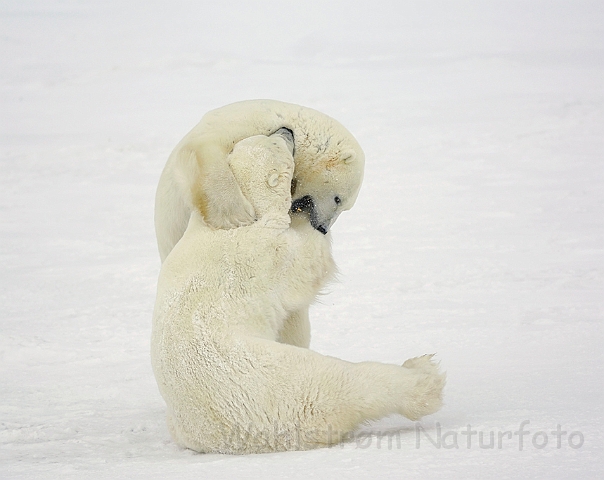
(307, 205)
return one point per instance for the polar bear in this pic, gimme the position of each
(328, 171)
(223, 299)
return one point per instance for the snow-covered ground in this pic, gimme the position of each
(478, 234)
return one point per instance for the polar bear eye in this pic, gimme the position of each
(337, 199)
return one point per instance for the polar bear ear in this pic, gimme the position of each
(348, 156)
(273, 178)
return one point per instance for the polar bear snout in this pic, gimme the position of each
(306, 204)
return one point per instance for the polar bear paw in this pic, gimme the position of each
(236, 212)
(288, 136)
(228, 207)
(425, 395)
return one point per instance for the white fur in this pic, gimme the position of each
(225, 301)
(328, 163)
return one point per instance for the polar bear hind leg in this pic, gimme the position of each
(296, 399)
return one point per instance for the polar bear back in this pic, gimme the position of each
(263, 167)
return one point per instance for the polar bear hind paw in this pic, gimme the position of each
(425, 396)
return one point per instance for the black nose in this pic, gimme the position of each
(307, 205)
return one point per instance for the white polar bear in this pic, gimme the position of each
(328, 168)
(223, 300)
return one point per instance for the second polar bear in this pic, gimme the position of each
(328, 170)
(223, 296)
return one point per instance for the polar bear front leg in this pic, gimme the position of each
(296, 329)
(216, 194)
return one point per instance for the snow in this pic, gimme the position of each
(478, 233)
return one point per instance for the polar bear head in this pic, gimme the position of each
(263, 167)
(329, 166)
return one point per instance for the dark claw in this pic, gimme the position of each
(288, 136)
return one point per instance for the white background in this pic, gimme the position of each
(478, 233)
